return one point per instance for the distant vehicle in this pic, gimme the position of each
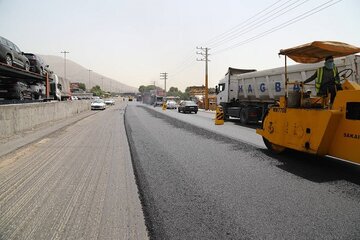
(10, 89)
(170, 104)
(188, 107)
(98, 104)
(37, 64)
(110, 102)
(12, 55)
(158, 101)
(74, 98)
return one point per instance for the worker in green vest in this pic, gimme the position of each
(327, 79)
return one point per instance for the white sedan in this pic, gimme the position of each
(98, 104)
(171, 104)
(110, 102)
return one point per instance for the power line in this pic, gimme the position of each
(234, 31)
(282, 25)
(261, 18)
(214, 39)
(184, 64)
(188, 61)
(259, 23)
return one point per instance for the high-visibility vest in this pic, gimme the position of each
(319, 79)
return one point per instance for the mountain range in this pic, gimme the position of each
(77, 73)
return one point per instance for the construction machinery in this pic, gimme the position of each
(313, 124)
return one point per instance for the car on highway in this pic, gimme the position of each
(98, 104)
(37, 64)
(110, 102)
(171, 104)
(11, 55)
(158, 101)
(188, 107)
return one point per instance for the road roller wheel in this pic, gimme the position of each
(277, 149)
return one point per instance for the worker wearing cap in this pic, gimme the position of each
(327, 79)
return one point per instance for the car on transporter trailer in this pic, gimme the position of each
(11, 55)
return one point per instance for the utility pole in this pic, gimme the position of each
(204, 53)
(89, 79)
(65, 52)
(163, 76)
(102, 84)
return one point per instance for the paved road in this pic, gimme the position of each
(195, 184)
(232, 128)
(76, 183)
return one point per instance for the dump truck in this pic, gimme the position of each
(313, 124)
(246, 93)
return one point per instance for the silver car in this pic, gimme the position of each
(98, 104)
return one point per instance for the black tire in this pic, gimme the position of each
(226, 117)
(8, 60)
(195, 112)
(272, 147)
(178, 109)
(244, 116)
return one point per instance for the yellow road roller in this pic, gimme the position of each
(314, 124)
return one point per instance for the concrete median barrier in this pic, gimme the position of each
(17, 118)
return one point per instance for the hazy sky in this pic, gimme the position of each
(133, 41)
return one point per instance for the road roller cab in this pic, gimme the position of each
(313, 124)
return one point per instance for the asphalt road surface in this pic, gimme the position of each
(195, 184)
(76, 183)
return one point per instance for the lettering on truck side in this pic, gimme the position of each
(352, 135)
(279, 110)
(262, 87)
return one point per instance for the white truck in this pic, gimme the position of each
(246, 94)
(55, 87)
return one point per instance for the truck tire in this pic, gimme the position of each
(226, 117)
(244, 116)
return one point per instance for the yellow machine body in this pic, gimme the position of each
(321, 131)
(311, 124)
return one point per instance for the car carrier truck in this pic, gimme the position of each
(247, 93)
